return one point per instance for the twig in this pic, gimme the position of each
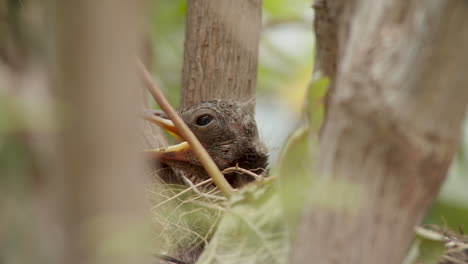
(186, 134)
(194, 188)
(241, 170)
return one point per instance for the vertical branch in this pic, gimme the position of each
(221, 51)
(98, 88)
(393, 124)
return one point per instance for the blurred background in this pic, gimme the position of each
(285, 67)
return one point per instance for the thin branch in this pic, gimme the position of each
(194, 188)
(241, 170)
(186, 133)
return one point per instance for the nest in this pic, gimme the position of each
(456, 249)
(184, 217)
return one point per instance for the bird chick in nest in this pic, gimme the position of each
(228, 133)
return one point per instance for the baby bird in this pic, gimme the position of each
(228, 133)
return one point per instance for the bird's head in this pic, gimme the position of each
(226, 130)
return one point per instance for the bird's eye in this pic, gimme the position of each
(204, 120)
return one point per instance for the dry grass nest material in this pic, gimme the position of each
(187, 216)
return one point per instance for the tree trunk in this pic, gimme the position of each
(395, 111)
(98, 87)
(221, 51)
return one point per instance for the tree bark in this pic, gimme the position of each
(98, 87)
(221, 51)
(395, 111)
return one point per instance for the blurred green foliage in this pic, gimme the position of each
(294, 173)
(252, 229)
(280, 9)
(11, 116)
(427, 247)
(314, 102)
(15, 155)
(449, 215)
(168, 31)
(299, 153)
(17, 237)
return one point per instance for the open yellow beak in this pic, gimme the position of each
(159, 118)
(176, 152)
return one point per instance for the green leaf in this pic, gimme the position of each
(300, 188)
(252, 230)
(294, 173)
(315, 96)
(297, 160)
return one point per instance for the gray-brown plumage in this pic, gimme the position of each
(228, 133)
